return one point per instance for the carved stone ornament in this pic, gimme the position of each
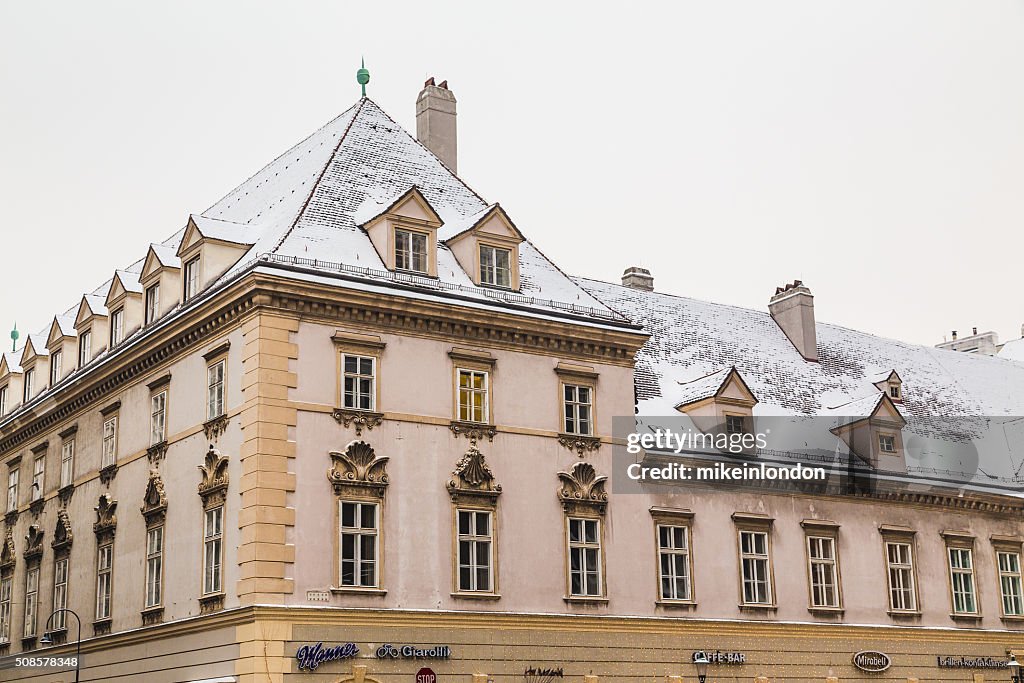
(211, 603)
(36, 507)
(8, 555)
(360, 419)
(213, 489)
(474, 431)
(358, 469)
(473, 478)
(34, 543)
(64, 493)
(11, 518)
(108, 473)
(106, 518)
(154, 502)
(152, 615)
(62, 536)
(215, 427)
(583, 488)
(580, 443)
(156, 452)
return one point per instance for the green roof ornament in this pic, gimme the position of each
(14, 338)
(363, 76)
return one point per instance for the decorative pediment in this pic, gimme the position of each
(154, 502)
(214, 486)
(62, 535)
(34, 543)
(34, 347)
(159, 257)
(124, 284)
(472, 478)
(8, 365)
(724, 386)
(60, 328)
(106, 518)
(410, 205)
(358, 469)
(583, 488)
(90, 307)
(492, 222)
(8, 555)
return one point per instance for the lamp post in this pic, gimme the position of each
(47, 640)
(1014, 666)
(700, 659)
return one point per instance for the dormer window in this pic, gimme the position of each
(192, 278)
(30, 380)
(56, 369)
(887, 443)
(116, 327)
(495, 266)
(3, 400)
(411, 251)
(152, 303)
(84, 348)
(894, 392)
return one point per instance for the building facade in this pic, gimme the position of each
(351, 424)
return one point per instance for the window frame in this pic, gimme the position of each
(60, 592)
(13, 485)
(966, 574)
(4, 391)
(818, 534)
(217, 539)
(486, 409)
(427, 249)
(104, 601)
(578, 516)
(755, 523)
(222, 362)
(6, 607)
(84, 347)
(160, 393)
(116, 326)
(474, 538)
(359, 532)
(358, 375)
(906, 537)
(577, 383)
(30, 624)
(28, 388)
(883, 438)
(686, 551)
(56, 366)
(108, 456)
(494, 248)
(190, 286)
(151, 304)
(158, 557)
(1015, 550)
(67, 447)
(38, 476)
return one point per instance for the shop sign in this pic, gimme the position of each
(871, 661)
(312, 656)
(389, 651)
(426, 675)
(719, 657)
(948, 662)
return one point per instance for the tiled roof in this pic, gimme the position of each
(1013, 350)
(701, 388)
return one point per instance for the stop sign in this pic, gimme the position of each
(426, 675)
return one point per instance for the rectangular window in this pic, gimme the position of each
(961, 576)
(475, 548)
(213, 550)
(152, 303)
(12, 488)
(674, 562)
(116, 327)
(887, 443)
(56, 367)
(154, 565)
(755, 567)
(578, 408)
(1010, 583)
(191, 278)
(30, 380)
(473, 395)
(358, 382)
(84, 348)
(735, 424)
(215, 390)
(104, 580)
(67, 463)
(584, 557)
(158, 418)
(495, 266)
(6, 584)
(824, 577)
(38, 476)
(31, 601)
(900, 561)
(410, 251)
(359, 535)
(3, 400)
(894, 391)
(60, 593)
(109, 442)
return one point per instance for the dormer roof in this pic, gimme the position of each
(9, 364)
(62, 326)
(35, 346)
(160, 256)
(711, 386)
(492, 218)
(410, 202)
(124, 282)
(202, 227)
(91, 305)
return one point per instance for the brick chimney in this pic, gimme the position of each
(792, 309)
(638, 278)
(435, 122)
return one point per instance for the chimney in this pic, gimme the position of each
(792, 309)
(638, 278)
(954, 335)
(974, 331)
(435, 122)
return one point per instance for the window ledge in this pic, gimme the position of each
(749, 607)
(474, 431)
(215, 426)
(676, 604)
(101, 627)
(108, 473)
(356, 590)
(904, 613)
(955, 616)
(1013, 617)
(585, 600)
(152, 615)
(461, 595)
(826, 610)
(211, 602)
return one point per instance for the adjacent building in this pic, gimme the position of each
(351, 424)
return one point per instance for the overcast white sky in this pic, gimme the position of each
(873, 149)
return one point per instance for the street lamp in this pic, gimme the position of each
(48, 640)
(700, 659)
(1014, 666)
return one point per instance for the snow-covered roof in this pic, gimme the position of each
(66, 325)
(701, 388)
(227, 231)
(97, 303)
(1013, 350)
(130, 281)
(167, 255)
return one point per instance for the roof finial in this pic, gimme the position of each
(14, 338)
(363, 75)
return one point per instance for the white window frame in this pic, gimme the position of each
(6, 611)
(84, 348)
(574, 406)
(491, 273)
(474, 550)
(213, 550)
(190, 279)
(155, 540)
(823, 572)
(963, 588)
(158, 417)
(1011, 582)
(466, 409)
(405, 243)
(672, 551)
(13, 475)
(3, 400)
(30, 380)
(755, 567)
(104, 580)
(116, 327)
(883, 440)
(60, 592)
(67, 463)
(359, 534)
(109, 442)
(352, 400)
(901, 576)
(588, 556)
(38, 476)
(31, 601)
(152, 303)
(216, 385)
(56, 367)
